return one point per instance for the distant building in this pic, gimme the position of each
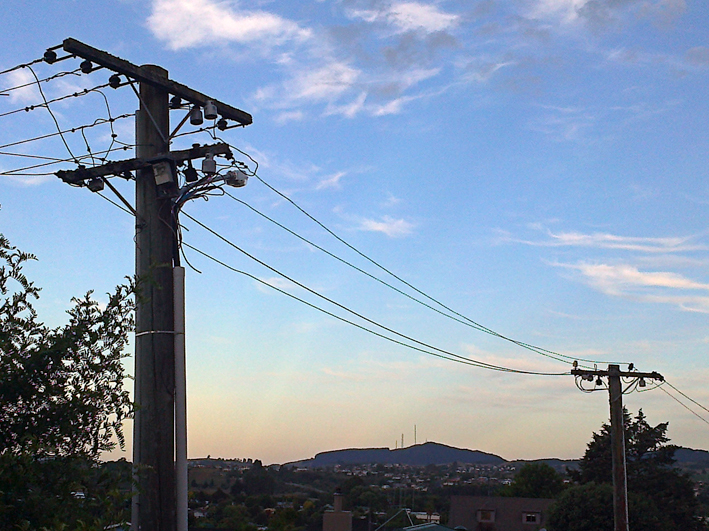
(337, 519)
(484, 513)
(433, 518)
(428, 527)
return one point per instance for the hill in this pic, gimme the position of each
(429, 453)
(432, 453)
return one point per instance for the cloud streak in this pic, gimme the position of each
(602, 240)
(408, 16)
(393, 228)
(627, 281)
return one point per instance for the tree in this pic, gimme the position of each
(62, 402)
(589, 507)
(258, 481)
(660, 497)
(535, 480)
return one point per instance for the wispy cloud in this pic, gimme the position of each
(644, 269)
(378, 57)
(408, 16)
(601, 14)
(601, 240)
(331, 181)
(615, 279)
(391, 227)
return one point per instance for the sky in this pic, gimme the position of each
(538, 166)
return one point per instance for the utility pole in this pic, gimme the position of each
(615, 391)
(154, 507)
(154, 435)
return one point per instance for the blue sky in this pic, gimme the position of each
(537, 165)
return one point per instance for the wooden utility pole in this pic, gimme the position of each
(615, 390)
(154, 502)
(620, 479)
(154, 435)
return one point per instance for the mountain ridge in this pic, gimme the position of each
(433, 453)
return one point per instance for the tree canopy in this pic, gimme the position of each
(660, 497)
(535, 480)
(62, 400)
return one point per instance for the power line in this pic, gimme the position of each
(27, 155)
(99, 121)
(77, 94)
(371, 321)
(443, 354)
(536, 350)
(124, 209)
(58, 161)
(24, 65)
(76, 72)
(685, 396)
(46, 104)
(685, 406)
(469, 322)
(457, 358)
(477, 325)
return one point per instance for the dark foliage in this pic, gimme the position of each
(660, 497)
(535, 480)
(62, 404)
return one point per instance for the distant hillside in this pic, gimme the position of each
(692, 459)
(430, 453)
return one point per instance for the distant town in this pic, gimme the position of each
(243, 494)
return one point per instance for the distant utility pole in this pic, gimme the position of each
(620, 483)
(159, 504)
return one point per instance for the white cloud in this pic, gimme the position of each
(614, 279)
(349, 110)
(191, 23)
(323, 84)
(409, 16)
(332, 181)
(290, 116)
(627, 281)
(565, 11)
(28, 94)
(391, 200)
(389, 226)
(30, 180)
(276, 282)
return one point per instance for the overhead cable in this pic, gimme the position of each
(76, 72)
(685, 396)
(360, 316)
(77, 94)
(548, 354)
(58, 161)
(46, 104)
(99, 121)
(456, 358)
(685, 406)
(24, 65)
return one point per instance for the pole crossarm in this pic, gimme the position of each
(80, 175)
(143, 75)
(627, 374)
